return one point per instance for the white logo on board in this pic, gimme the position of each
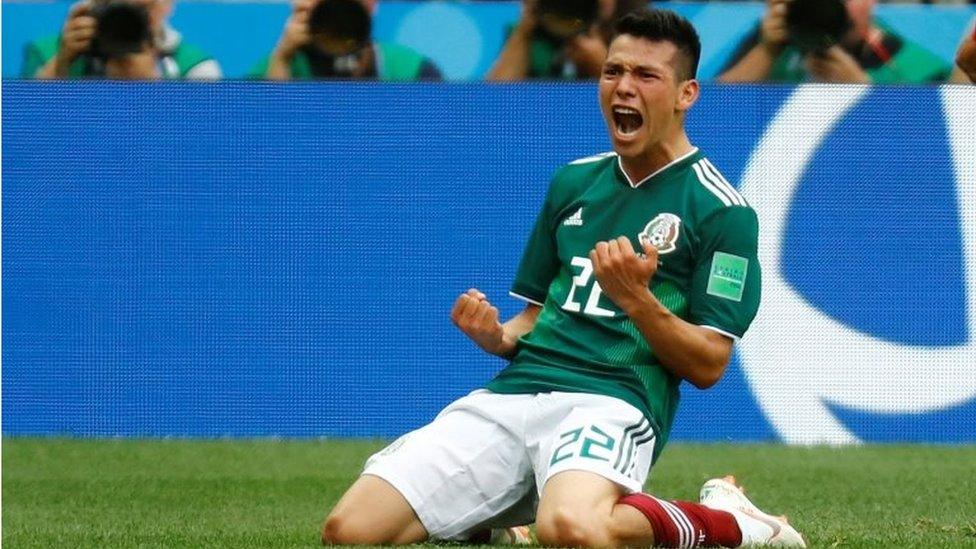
(798, 358)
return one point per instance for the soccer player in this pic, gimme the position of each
(640, 272)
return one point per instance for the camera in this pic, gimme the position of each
(563, 19)
(815, 25)
(122, 28)
(340, 27)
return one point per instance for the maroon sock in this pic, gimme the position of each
(684, 524)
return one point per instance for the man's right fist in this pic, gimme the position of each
(78, 32)
(478, 319)
(295, 34)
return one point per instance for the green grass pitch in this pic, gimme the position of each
(271, 493)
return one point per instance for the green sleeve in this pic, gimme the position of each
(187, 57)
(260, 69)
(726, 282)
(398, 63)
(540, 260)
(37, 54)
(911, 65)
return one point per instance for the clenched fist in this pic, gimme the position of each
(295, 34)
(478, 319)
(623, 275)
(77, 33)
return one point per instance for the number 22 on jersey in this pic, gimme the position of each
(582, 279)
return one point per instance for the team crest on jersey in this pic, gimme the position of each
(661, 232)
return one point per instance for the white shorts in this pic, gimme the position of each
(483, 461)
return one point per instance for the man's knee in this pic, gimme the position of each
(338, 530)
(372, 512)
(566, 527)
(342, 528)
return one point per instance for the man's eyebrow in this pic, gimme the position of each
(648, 68)
(617, 64)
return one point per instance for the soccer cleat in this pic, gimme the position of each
(757, 527)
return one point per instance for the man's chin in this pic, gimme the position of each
(626, 148)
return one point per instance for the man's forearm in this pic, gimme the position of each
(279, 66)
(56, 67)
(690, 352)
(516, 327)
(513, 63)
(754, 67)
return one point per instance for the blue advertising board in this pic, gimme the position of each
(245, 259)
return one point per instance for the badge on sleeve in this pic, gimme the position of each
(728, 276)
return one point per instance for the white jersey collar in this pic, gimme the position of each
(633, 185)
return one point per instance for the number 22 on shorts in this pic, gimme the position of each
(590, 448)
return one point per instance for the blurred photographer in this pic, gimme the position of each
(835, 41)
(119, 39)
(333, 39)
(559, 39)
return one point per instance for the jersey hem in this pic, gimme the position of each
(514, 388)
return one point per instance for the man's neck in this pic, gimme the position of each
(638, 168)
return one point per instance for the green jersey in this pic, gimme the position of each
(708, 274)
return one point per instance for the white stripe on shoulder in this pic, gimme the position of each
(725, 182)
(716, 180)
(526, 299)
(593, 158)
(707, 183)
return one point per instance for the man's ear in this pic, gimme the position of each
(687, 94)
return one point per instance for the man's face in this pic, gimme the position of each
(640, 95)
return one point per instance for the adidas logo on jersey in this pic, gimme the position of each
(576, 219)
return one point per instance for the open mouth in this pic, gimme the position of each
(627, 120)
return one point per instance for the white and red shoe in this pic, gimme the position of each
(758, 528)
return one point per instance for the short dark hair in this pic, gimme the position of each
(659, 25)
